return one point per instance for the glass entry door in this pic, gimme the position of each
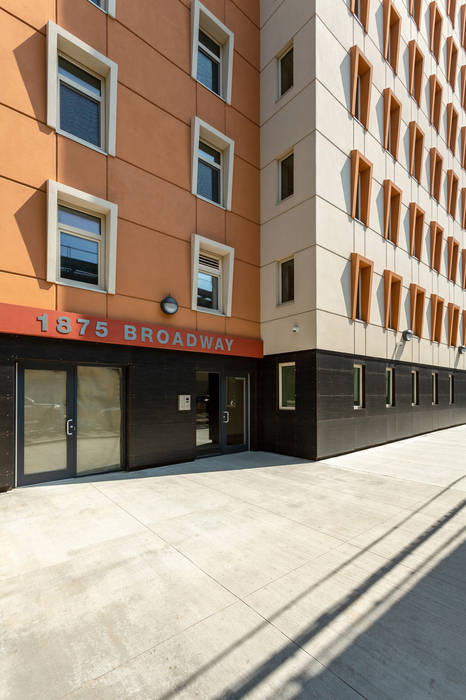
(221, 412)
(69, 421)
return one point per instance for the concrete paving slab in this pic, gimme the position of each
(247, 575)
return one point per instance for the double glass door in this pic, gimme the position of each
(69, 421)
(221, 412)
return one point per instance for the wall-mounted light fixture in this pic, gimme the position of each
(295, 328)
(408, 335)
(462, 349)
(169, 305)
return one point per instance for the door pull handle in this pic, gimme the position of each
(226, 417)
(69, 426)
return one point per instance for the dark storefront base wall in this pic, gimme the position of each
(155, 432)
(325, 422)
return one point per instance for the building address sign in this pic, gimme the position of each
(24, 320)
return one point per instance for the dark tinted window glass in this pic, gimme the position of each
(287, 269)
(209, 153)
(79, 115)
(286, 72)
(99, 3)
(79, 76)
(208, 72)
(208, 182)
(287, 176)
(209, 43)
(78, 219)
(79, 259)
(207, 291)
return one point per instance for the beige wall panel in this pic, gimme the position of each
(26, 291)
(335, 332)
(333, 283)
(289, 126)
(334, 174)
(333, 65)
(334, 228)
(376, 342)
(27, 148)
(289, 17)
(305, 287)
(23, 233)
(333, 119)
(289, 232)
(278, 335)
(23, 67)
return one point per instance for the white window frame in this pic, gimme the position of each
(206, 269)
(204, 19)
(59, 41)
(109, 9)
(415, 384)
(279, 177)
(280, 386)
(58, 194)
(279, 59)
(227, 255)
(390, 373)
(201, 131)
(280, 284)
(357, 407)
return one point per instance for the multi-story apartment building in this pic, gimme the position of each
(228, 225)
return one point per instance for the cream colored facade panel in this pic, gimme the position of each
(289, 232)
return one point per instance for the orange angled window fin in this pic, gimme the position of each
(416, 148)
(416, 67)
(453, 255)
(436, 243)
(452, 61)
(361, 186)
(392, 211)
(463, 26)
(436, 164)
(417, 299)
(436, 309)
(452, 192)
(451, 10)
(360, 9)
(463, 207)
(435, 30)
(391, 33)
(361, 85)
(361, 287)
(435, 89)
(463, 86)
(393, 285)
(392, 122)
(453, 324)
(464, 327)
(463, 268)
(463, 146)
(415, 7)
(452, 127)
(416, 229)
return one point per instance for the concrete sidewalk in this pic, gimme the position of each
(250, 575)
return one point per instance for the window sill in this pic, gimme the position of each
(99, 8)
(78, 285)
(358, 408)
(220, 97)
(284, 94)
(287, 408)
(285, 303)
(212, 312)
(210, 201)
(66, 135)
(285, 199)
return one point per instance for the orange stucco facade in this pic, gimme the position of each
(150, 175)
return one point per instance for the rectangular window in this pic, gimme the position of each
(436, 243)
(414, 388)
(416, 229)
(393, 285)
(360, 9)
(361, 185)
(81, 103)
(209, 62)
(287, 281)
(392, 211)
(361, 84)
(435, 30)
(389, 387)
(452, 127)
(463, 208)
(416, 67)
(451, 10)
(436, 164)
(416, 149)
(212, 51)
(285, 72)
(209, 282)
(81, 239)
(437, 305)
(463, 271)
(417, 303)
(452, 61)
(209, 173)
(358, 386)
(286, 168)
(392, 31)
(453, 324)
(361, 287)
(451, 385)
(453, 251)
(392, 121)
(435, 90)
(287, 386)
(434, 388)
(211, 276)
(81, 247)
(415, 7)
(452, 192)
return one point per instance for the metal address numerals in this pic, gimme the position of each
(64, 325)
